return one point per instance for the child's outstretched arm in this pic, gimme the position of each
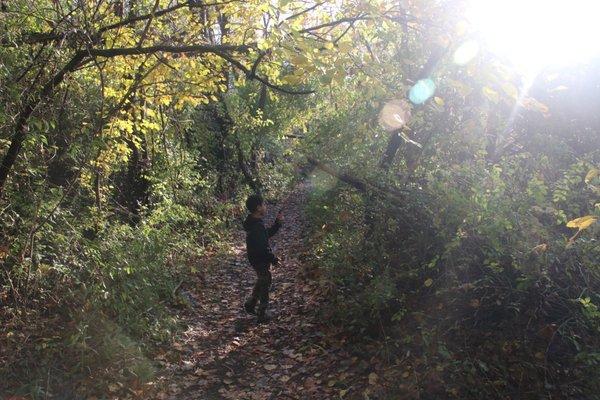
(276, 225)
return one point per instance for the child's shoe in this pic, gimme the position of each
(264, 317)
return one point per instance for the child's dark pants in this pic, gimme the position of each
(260, 293)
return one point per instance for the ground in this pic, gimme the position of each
(225, 354)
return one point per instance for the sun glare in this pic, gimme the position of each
(534, 34)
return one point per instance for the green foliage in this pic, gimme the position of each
(468, 261)
(479, 258)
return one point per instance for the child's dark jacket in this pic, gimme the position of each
(257, 241)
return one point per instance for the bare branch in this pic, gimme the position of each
(255, 65)
(265, 81)
(46, 37)
(128, 51)
(20, 130)
(335, 23)
(161, 13)
(299, 13)
(219, 50)
(147, 27)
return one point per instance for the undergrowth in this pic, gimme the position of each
(475, 287)
(89, 307)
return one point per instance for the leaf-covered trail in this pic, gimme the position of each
(225, 354)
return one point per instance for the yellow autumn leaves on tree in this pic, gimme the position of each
(582, 222)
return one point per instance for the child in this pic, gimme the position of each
(259, 254)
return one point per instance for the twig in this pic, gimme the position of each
(147, 27)
(244, 69)
(161, 13)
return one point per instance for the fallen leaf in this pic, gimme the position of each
(270, 367)
(373, 378)
(491, 94)
(310, 384)
(428, 282)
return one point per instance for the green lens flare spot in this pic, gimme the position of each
(421, 91)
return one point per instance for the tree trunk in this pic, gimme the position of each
(134, 187)
(21, 129)
(254, 183)
(60, 167)
(394, 144)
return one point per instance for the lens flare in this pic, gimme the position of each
(394, 115)
(421, 91)
(466, 52)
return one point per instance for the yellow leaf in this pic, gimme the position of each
(540, 248)
(594, 172)
(510, 90)
(439, 101)
(532, 104)
(428, 282)
(491, 94)
(582, 222)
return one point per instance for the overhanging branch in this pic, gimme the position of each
(361, 185)
(162, 12)
(129, 51)
(47, 37)
(336, 22)
(251, 75)
(219, 50)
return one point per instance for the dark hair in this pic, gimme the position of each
(253, 202)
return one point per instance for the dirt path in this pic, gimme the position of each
(225, 354)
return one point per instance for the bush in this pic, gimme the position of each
(478, 280)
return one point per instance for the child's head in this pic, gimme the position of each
(255, 205)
